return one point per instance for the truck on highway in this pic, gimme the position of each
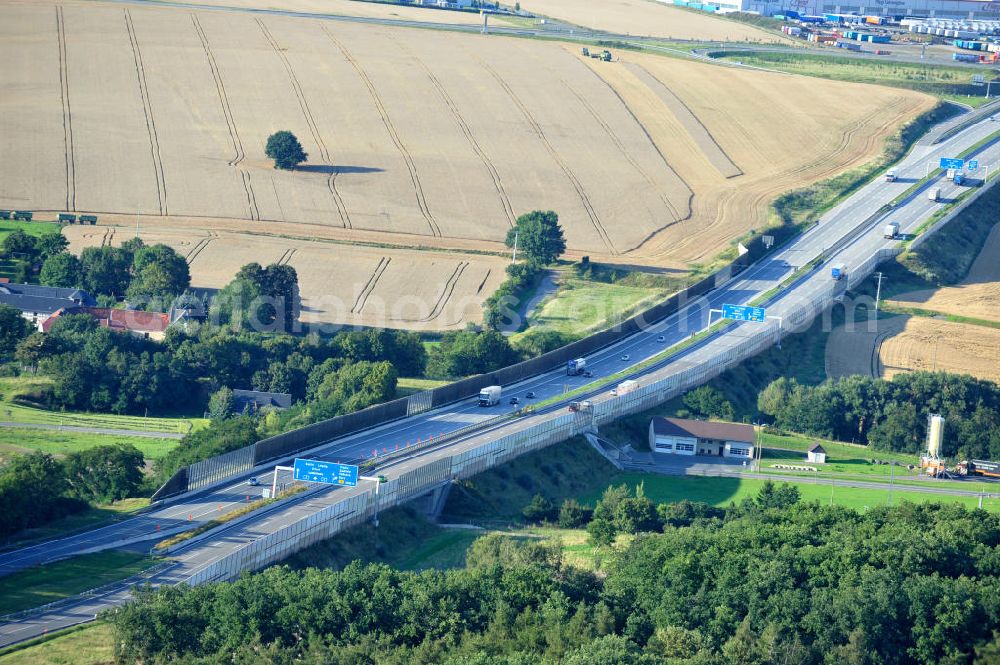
(839, 271)
(891, 175)
(576, 367)
(490, 395)
(585, 405)
(958, 179)
(625, 387)
(934, 194)
(950, 174)
(891, 231)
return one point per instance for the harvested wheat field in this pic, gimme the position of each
(649, 18)
(435, 139)
(350, 285)
(977, 296)
(907, 344)
(359, 8)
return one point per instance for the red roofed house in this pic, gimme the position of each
(149, 325)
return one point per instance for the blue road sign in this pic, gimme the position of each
(973, 164)
(743, 313)
(951, 163)
(331, 473)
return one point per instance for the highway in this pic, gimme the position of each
(848, 233)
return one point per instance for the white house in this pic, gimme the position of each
(677, 436)
(816, 454)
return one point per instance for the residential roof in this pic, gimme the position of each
(256, 399)
(42, 299)
(119, 320)
(704, 429)
(816, 448)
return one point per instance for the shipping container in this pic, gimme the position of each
(964, 57)
(985, 468)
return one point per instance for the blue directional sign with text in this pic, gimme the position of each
(331, 473)
(973, 164)
(952, 163)
(743, 313)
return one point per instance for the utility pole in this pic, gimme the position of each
(988, 84)
(878, 290)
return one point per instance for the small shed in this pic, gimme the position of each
(816, 454)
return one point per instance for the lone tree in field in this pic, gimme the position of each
(285, 150)
(539, 237)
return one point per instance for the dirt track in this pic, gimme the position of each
(649, 18)
(906, 344)
(977, 296)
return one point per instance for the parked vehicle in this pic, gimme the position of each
(490, 395)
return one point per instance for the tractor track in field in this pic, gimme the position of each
(227, 112)
(307, 113)
(147, 108)
(393, 134)
(373, 279)
(470, 137)
(67, 111)
(446, 292)
(577, 185)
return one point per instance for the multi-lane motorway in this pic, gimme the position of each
(848, 233)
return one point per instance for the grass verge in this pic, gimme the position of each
(89, 644)
(940, 80)
(20, 441)
(89, 519)
(38, 586)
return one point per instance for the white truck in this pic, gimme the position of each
(891, 175)
(950, 174)
(490, 395)
(838, 271)
(934, 194)
(891, 231)
(624, 388)
(576, 367)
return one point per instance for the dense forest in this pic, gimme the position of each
(768, 581)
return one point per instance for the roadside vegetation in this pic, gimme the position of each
(667, 573)
(46, 584)
(88, 644)
(941, 80)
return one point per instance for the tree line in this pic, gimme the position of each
(768, 582)
(892, 415)
(37, 488)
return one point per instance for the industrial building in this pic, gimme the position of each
(951, 9)
(678, 436)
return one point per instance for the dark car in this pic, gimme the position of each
(514, 401)
(530, 395)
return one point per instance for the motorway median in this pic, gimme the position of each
(167, 545)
